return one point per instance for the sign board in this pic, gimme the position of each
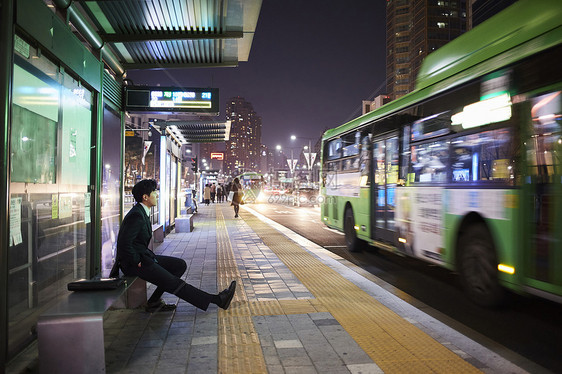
(171, 99)
(129, 133)
(217, 156)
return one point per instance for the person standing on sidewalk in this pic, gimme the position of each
(213, 192)
(136, 259)
(238, 195)
(207, 194)
(219, 193)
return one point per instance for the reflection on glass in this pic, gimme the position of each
(543, 149)
(111, 160)
(429, 162)
(29, 144)
(484, 156)
(49, 191)
(391, 179)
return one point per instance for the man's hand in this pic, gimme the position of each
(139, 265)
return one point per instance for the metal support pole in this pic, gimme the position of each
(7, 30)
(291, 167)
(96, 181)
(309, 162)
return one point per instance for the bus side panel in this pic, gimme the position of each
(361, 209)
(419, 222)
(499, 210)
(342, 188)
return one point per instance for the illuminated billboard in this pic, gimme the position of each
(217, 156)
(171, 99)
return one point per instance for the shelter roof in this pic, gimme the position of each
(185, 132)
(164, 34)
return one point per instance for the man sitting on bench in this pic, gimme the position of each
(135, 259)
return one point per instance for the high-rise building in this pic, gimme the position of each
(243, 148)
(368, 105)
(481, 10)
(415, 28)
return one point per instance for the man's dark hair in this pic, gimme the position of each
(145, 186)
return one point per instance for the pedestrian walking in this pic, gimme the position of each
(219, 193)
(213, 192)
(207, 194)
(238, 195)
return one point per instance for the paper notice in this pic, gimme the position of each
(87, 218)
(15, 221)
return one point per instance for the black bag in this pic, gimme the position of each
(95, 284)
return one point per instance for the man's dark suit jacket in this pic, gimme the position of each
(133, 238)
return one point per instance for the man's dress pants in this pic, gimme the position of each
(165, 274)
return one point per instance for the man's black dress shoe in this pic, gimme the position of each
(159, 306)
(226, 296)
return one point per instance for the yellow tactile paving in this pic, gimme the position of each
(239, 348)
(394, 344)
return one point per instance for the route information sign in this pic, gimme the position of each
(171, 99)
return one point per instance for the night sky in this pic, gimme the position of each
(311, 64)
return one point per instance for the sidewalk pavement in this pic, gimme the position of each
(298, 309)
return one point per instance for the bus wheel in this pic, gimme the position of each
(478, 267)
(354, 244)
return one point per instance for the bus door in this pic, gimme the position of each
(385, 164)
(544, 194)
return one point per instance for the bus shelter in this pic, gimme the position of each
(63, 71)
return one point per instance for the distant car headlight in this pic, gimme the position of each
(303, 199)
(320, 199)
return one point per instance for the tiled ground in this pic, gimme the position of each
(187, 340)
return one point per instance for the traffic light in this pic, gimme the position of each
(194, 164)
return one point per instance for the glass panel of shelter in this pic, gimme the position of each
(49, 239)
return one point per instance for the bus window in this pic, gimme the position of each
(392, 160)
(378, 158)
(431, 126)
(351, 144)
(364, 160)
(429, 162)
(544, 169)
(405, 157)
(334, 149)
(391, 179)
(380, 182)
(350, 164)
(484, 156)
(544, 160)
(332, 166)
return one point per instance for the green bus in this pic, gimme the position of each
(465, 171)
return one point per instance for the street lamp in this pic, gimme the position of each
(279, 148)
(291, 166)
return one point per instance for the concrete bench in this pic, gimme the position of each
(157, 236)
(70, 334)
(184, 223)
(158, 233)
